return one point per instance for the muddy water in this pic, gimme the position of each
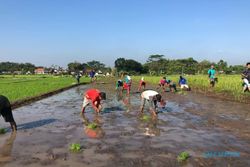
(190, 122)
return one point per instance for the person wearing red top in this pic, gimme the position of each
(142, 84)
(162, 83)
(93, 96)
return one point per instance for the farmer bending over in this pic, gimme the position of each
(142, 84)
(127, 84)
(94, 97)
(162, 83)
(119, 84)
(152, 97)
(246, 78)
(6, 112)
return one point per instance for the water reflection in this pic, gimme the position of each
(126, 102)
(93, 129)
(6, 148)
(148, 124)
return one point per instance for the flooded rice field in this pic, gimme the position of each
(190, 122)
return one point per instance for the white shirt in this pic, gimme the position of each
(148, 93)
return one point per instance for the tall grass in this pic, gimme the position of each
(23, 86)
(230, 85)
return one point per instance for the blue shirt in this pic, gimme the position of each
(211, 73)
(182, 81)
(92, 74)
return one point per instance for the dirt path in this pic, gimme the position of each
(190, 122)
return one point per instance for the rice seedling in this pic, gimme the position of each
(75, 147)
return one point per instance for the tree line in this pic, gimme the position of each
(158, 64)
(12, 67)
(155, 65)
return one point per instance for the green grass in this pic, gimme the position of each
(227, 84)
(23, 86)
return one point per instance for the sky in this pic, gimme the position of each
(46, 32)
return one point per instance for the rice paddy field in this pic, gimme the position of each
(227, 85)
(192, 130)
(22, 86)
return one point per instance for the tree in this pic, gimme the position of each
(156, 64)
(11, 67)
(222, 65)
(75, 67)
(96, 65)
(188, 66)
(129, 65)
(120, 64)
(132, 65)
(155, 58)
(203, 66)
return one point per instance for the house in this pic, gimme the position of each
(40, 70)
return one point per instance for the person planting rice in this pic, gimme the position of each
(162, 83)
(183, 83)
(142, 84)
(6, 112)
(119, 84)
(211, 76)
(152, 97)
(246, 78)
(93, 96)
(171, 85)
(127, 84)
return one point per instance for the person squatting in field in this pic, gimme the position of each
(183, 83)
(6, 112)
(142, 84)
(171, 85)
(246, 78)
(152, 97)
(93, 96)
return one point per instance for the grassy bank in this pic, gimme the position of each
(23, 86)
(228, 85)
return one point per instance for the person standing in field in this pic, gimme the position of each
(93, 96)
(142, 84)
(78, 76)
(6, 112)
(92, 75)
(183, 83)
(246, 78)
(211, 76)
(127, 84)
(152, 97)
